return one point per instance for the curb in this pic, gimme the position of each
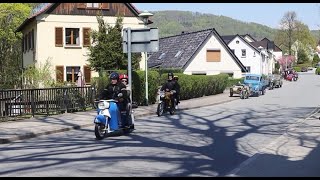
(33, 135)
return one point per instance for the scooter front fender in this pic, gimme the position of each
(101, 119)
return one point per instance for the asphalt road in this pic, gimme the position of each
(208, 141)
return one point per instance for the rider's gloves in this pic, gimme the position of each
(120, 95)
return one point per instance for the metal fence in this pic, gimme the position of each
(47, 101)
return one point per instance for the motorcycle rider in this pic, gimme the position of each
(170, 85)
(116, 90)
(177, 94)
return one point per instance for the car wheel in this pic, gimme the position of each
(231, 94)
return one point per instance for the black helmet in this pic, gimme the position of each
(114, 75)
(170, 74)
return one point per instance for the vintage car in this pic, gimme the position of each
(241, 89)
(257, 83)
(277, 82)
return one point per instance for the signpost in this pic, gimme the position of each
(139, 40)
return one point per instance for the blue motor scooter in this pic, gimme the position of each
(110, 119)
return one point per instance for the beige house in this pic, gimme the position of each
(60, 32)
(197, 53)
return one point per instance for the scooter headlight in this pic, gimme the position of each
(103, 105)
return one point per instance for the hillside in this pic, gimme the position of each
(174, 22)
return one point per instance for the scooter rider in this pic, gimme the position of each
(116, 90)
(169, 86)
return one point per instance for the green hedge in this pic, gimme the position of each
(297, 69)
(233, 81)
(192, 86)
(318, 71)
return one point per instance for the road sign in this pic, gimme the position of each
(142, 40)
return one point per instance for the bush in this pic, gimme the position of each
(318, 71)
(297, 69)
(232, 81)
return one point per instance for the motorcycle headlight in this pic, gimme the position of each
(103, 105)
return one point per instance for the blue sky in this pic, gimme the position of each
(268, 14)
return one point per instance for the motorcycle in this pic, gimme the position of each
(295, 76)
(244, 92)
(165, 103)
(110, 119)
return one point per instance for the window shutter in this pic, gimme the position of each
(26, 40)
(59, 73)
(32, 40)
(81, 5)
(213, 56)
(29, 40)
(86, 37)
(104, 6)
(59, 36)
(87, 74)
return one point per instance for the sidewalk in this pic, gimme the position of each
(29, 128)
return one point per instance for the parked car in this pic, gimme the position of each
(271, 81)
(257, 83)
(277, 80)
(304, 69)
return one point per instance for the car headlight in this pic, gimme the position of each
(103, 105)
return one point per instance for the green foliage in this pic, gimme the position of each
(173, 22)
(39, 77)
(297, 69)
(106, 51)
(302, 56)
(315, 60)
(11, 16)
(318, 71)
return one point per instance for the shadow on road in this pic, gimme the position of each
(203, 146)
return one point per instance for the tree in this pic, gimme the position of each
(288, 25)
(315, 59)
(106, 52)
(302, 56)
(39, 77)
(11, 16)
(286, 61)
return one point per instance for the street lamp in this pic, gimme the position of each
(145, 18)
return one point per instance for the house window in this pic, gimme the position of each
(237, 42)
(248, 69)
(92, 5)
(72, 73)
(178, 54)
(72, 36)
(162, 56)
(243, 53)
(213, 55)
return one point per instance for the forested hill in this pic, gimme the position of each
(174, 22)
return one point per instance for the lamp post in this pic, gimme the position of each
(145, 17)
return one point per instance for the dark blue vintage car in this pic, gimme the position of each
(257, 83)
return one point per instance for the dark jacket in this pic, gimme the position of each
(171, 85)
(112, 91)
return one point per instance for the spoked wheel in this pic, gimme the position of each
(160, 109)
(100, 131)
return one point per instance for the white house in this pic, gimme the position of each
(60, 32)
(250, 56)
(201, 52)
